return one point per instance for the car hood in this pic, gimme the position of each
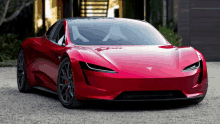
(151, 59)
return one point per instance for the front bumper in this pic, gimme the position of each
(105, 86)
(145, 100)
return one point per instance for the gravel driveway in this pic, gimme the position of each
(41, 107)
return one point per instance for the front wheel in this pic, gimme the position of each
(65, 85)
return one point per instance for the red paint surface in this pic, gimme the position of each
(130, 62)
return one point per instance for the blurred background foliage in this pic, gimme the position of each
(9, 45)
(170, 30)
(156, 10)
(12, 33)
(173, 37)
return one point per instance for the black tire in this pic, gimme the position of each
(22, 82)
(65, 86)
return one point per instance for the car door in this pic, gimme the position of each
(35, 56)
(53, 47)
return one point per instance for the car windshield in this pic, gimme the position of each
(114, 32)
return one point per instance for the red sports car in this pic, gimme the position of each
(111, 59)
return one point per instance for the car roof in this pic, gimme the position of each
(71, 19)
(84, 18)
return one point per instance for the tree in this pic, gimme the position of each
(9, 9)
(156, 10)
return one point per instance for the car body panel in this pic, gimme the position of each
(43, 62)
(138, 67)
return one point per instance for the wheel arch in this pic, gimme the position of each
(65, 55)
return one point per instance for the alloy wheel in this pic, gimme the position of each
(66, 85)
(20, 70)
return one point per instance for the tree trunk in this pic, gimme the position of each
(164, 13)
(15, 14)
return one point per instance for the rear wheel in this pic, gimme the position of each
(23, 85)
(65, 85)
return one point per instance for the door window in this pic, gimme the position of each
(59, 35)
(49, 31)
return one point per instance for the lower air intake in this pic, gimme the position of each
(142, 95)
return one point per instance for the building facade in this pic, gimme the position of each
(199, 25)
(52, 11)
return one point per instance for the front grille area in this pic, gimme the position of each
(145, 95)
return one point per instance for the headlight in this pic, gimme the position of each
(93, 67)
(192, 67)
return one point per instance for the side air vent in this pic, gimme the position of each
(201, 72)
